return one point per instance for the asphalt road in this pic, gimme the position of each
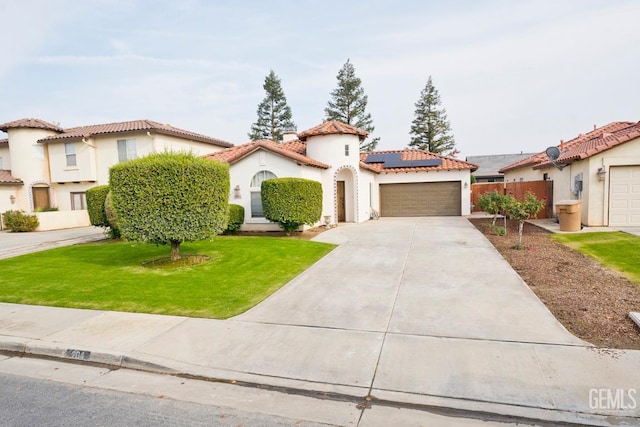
(34, 402)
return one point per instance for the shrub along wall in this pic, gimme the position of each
(96, 197)
(292, 202)
(236, 218)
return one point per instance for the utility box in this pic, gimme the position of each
(569, 214)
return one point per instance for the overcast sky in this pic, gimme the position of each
(513, 75)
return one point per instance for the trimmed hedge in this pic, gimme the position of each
(236, 218)
(292, 202)
(20, 221)
(95, 205)
(170, 198)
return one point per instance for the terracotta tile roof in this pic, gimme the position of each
(332, 127)
(7, 178)
(234, 154)
(296, 146)
(448, 163)
(597, 144)
(540, 160)
(30, 123)
(133, 126)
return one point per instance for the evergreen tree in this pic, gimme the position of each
(274, 115)
(348, 104)
(430, 130)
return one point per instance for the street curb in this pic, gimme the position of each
(42, 349)
(450, 406)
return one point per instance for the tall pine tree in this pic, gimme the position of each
(274, 115)
(348, 104)
(430, 130)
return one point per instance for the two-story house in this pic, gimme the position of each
(45, 166)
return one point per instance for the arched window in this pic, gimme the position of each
(256, 197)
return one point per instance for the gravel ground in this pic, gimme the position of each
(591, 301)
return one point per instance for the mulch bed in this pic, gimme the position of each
(591, 301)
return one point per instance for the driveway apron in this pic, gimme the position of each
(427, 276)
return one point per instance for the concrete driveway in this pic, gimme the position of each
(14, 244)
(433, 276)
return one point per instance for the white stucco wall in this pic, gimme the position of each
(242, 173)
(6, 158)
(368, 195)
(163, 143)
(106, 149)
(6, 191)
(595, 193)
(330, 149)
(29, 162)
(63, 193)
(61, 220)
(462, 176)
(627, 154)
(85, 168)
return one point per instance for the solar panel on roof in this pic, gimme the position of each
(394, 160)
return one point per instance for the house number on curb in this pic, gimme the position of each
(78, 354)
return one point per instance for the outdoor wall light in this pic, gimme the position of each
(236, 192)
(466, 184)
(602, 174)
(12, 198)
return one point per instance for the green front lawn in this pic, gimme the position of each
(617, 251)
(241, 272)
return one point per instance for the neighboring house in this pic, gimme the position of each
(489, 166)
(43, 165)
(600, 167)
(354, 184)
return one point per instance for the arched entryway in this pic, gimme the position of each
(346, 194)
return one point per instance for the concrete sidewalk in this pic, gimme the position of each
(417, 312)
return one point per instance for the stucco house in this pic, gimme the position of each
(43, 165)
(355, 185)
(600, 167)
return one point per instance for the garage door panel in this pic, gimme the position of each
(421, 199)
(624, 196)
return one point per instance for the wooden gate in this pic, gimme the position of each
(479, 188)
(542, 190)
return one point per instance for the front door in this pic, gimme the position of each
(341, 203)
(40, 197)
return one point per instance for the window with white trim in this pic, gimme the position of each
(127, 149)
(70, 153)
(346, 150)
(256, 196)
(78, 201)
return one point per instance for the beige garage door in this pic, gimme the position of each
(420, 199)
(624, 196)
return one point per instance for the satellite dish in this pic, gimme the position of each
(553, 153)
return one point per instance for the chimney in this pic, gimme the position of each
(289, 135)
(561, 145)
(594, 127)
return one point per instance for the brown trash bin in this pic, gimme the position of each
(569, 214)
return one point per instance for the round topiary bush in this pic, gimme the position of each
(170, 198)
